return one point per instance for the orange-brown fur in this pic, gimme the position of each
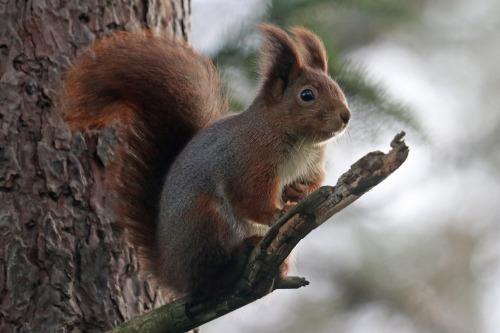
(196, 188)
(136, 80)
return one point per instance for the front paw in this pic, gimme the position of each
(294, 192)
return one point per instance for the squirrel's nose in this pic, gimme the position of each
(345, 115)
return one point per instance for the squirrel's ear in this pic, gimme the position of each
(281, 59)
(311, 47)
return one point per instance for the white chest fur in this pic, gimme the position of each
(303, 163)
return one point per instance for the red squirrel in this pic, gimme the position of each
(194, 184)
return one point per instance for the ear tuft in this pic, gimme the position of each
(312, 49)
(281, 58)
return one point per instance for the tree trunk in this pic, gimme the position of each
(63, 264)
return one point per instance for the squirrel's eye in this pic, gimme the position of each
(307, 95)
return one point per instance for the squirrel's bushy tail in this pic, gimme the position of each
(163, 93)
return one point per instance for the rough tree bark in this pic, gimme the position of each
(63, 265)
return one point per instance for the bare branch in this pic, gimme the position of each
(260, 276)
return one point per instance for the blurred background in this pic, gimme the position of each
(420, 252)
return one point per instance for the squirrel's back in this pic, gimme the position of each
(163, 93)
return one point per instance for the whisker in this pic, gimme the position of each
(350, 148)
